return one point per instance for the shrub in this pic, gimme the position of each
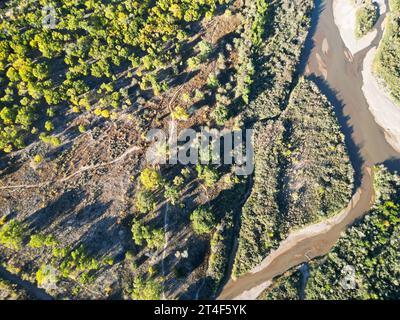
(220, 114)
(55, 141)
(140, 233)
(208, 174)
(39, 241)
(180, 114)
(205, 49)
(38, 159)
(212, 80)
(49, 126)
(172, 194)
(387, 61)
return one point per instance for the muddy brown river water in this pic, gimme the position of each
(338, 74)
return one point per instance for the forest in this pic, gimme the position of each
(70, 60)
(92, 82)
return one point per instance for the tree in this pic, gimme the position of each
(145, 201)
(205, 49)
(140, 233)
(150, 179)
(180, 114)
(220, 114)
(203, 221)
(172, 194)
(148, 289)
(49, 125)
(208, 174)
(12, 235)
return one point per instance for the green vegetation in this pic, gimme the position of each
(12, 235)
(154, 238)
(76, 61)
(276, 58)
(364, 264)
(180, 114)
(150, 179)
(366, 17)
(220, 246)
(285, 287)
(145, 201)
(40, 241)
(203, 221)
(146, 289)
(208, 174)
(387, 61)
(303, 174)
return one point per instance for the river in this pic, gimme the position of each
(337, 73)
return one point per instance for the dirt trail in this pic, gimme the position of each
(81, 170)
(338, 74)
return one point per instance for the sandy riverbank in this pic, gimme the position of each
(385, 111)
(344, 12)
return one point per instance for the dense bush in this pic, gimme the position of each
(303, 174)
(154, 238)
(145, 201)
(150, 179)
(208, 174)
(146, 289)
(366, 17)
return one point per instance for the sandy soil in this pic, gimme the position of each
(253, 293)
(385, 111)
(344, 12)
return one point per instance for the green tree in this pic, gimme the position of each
(150, 179)
(12, 235)
(208, 174)
(148, 289)
(203, 221)
(145, 201)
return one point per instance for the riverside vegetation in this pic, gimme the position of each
(364, 264)
(366, 17)
(302, 176)
(387, 61)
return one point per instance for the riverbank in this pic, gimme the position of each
(385, 111)
(344, 12)
(382, 106)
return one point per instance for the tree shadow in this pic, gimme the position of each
(63, 206)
